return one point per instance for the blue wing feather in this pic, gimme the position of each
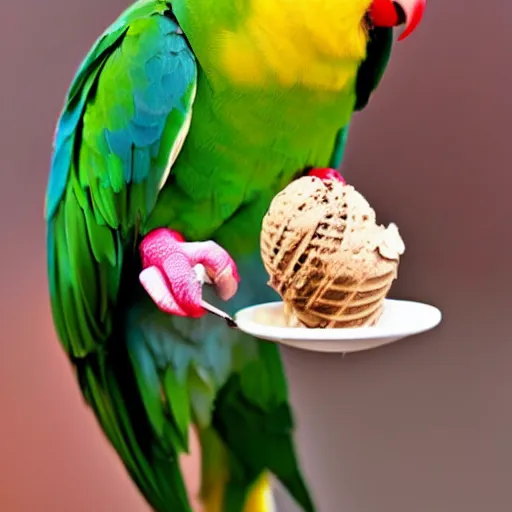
(76, 101)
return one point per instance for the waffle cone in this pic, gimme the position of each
(326, 256)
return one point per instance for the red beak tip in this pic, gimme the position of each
(414, 10)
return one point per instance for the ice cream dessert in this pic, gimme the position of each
(327, 257)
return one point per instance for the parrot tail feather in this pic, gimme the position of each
(107, 390)
(256, 498)
(219, 492)
(261, 497)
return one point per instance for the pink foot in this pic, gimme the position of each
(327, 174)
(169, 276)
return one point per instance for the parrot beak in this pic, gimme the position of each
(389, 13)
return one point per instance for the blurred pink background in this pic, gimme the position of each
(419, 426)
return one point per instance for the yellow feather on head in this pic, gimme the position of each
(316, 43)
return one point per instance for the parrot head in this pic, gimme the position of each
(318, 41)
(337, 27)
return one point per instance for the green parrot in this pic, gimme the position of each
(181, 124)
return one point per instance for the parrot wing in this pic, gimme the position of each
(371, 70)
(126, 116)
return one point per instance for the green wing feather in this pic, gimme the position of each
(125, 112)
(369, 76)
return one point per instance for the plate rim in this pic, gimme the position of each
(318, 334)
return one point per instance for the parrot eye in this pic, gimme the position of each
(368, 22)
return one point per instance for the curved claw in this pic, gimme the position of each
(327, 174)
(169, 276)
(220, 267)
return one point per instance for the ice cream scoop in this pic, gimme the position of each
(327, 257)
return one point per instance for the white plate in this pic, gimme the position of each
(399, 320)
